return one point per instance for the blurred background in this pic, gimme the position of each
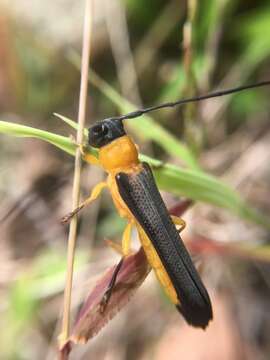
(150, 52)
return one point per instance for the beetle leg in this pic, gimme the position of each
(107, 295)
(158, 166)
(125, 251)
(91, 159)
(126, 240)
(94, 194)
(179, 222)
(124, 248)
(115, 246)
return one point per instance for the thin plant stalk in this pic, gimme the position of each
(77, 171)
(192, 128)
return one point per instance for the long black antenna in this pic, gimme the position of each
(141, 112)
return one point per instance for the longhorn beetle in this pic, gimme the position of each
(136, 197)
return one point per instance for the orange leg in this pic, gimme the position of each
(94, 194)
(178, 222)
(91, 159)
(124, 250)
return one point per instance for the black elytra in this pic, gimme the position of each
(141, 195)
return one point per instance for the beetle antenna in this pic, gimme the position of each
(140, 112)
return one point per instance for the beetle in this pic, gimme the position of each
(136, 197)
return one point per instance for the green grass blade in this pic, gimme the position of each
(71, 123)
(200, 186)
(62, 142)
(193, 184)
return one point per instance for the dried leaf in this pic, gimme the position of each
(91, 318)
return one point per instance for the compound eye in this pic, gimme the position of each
(104, 129)
(100, 129)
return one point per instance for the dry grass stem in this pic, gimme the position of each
(77, 171)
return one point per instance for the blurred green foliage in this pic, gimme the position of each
(231, 46)
(43, 279)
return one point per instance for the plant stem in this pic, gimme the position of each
(77, 171)
(193, 131)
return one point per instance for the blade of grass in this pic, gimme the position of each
(71, 123)
(190, 183)
(206, 188)
(61, 142)
(18, 130)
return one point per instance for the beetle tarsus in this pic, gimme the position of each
(108, 293)
(65, 219)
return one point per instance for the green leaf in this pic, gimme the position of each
(200, 186)
(190, 183)
(62, 142)
(74, 125)
(71, 123)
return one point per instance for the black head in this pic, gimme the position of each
(105, 131)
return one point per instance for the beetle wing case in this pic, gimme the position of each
(141, 195)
